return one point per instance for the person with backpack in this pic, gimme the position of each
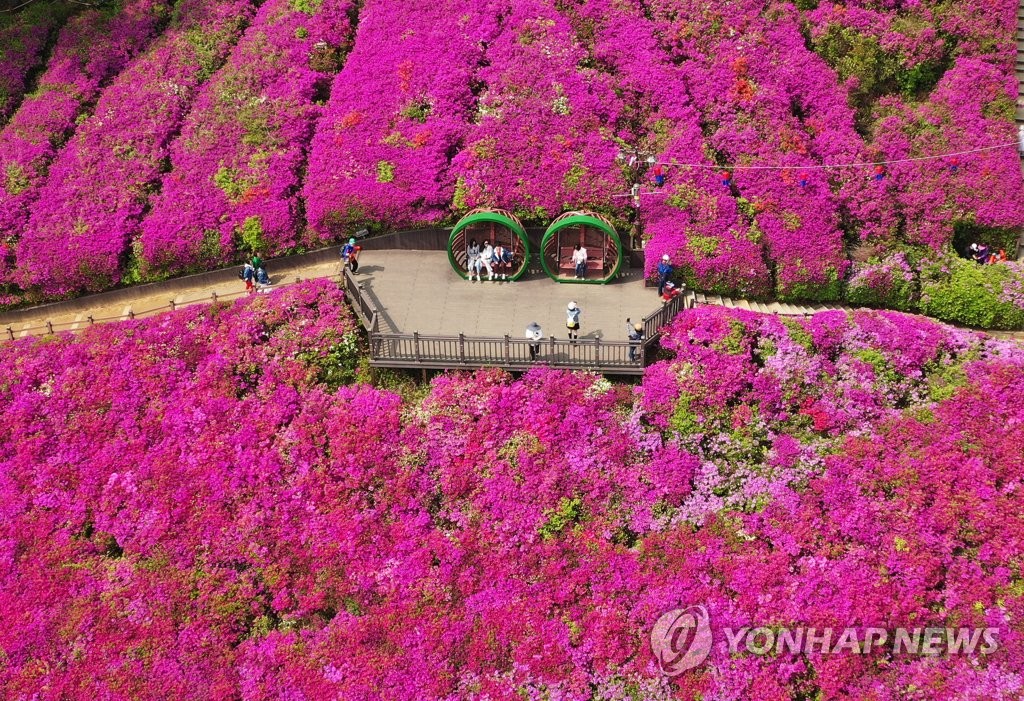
(346, 251)
(665, 271)
(248, 273)
(534, 336)
(353, 259)
(635, 334)
(572, 321)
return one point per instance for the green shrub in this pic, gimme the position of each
(983, 296)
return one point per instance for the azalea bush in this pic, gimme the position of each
(203, 497)
(236, 167)
(81, 225)
(788, 135)
(92, 48)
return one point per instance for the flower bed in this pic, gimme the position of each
(236, 166)
(396, 115)
(93, 47)
(23, 40)
(80, 228)
(199, 496)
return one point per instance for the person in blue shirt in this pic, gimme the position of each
(346, 251)
(665, 271)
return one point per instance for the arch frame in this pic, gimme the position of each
(584, 218)
(494, 216)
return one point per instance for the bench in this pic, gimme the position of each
(565, 261)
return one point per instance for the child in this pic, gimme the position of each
(572, 321)
(670, 292)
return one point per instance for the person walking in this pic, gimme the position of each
(534, 336)
(353, 259)
(346, 251)
(665, 271)
(579, 261)
(635, 333)
(249, 275)
(572, 321)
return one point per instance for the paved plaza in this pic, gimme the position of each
(418, 291)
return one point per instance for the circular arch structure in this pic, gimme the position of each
(590, 230)
(499, 227)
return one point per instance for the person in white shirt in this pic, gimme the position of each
(485, 260)
(579, 260)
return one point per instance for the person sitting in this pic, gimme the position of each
(579, 261)
(262, 279)
(502, 261)
(473, 259)
(486, 256)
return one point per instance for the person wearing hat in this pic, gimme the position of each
(635, 333)
(346, 251)
(534, 336)
(572, 321)
(665, 271)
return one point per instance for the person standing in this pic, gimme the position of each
(579, 261)
(635, 333)
(257, 262)
(534, 336)
(353, 259)
(665, 271)
(346, 251)
(572, 321)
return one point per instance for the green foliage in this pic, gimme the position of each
(733, 343)
(251, 234)
(338, 365)
(962, 292)
(301, 33)
(417, 110)
(568, 513)
(574, 176)
(210, 248)
(385, 171)
(877, 360)
(308, 7)
(15, 180)
(798, 333)
(209, 47)
(230, 182)
(702, 246)
(684, 421)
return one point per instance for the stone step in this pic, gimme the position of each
(743, 304)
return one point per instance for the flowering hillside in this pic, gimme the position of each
(805, 145)
(198, 506)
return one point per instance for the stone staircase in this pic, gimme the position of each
(777, 308)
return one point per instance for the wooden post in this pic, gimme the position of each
(213, 297)
(10, 333)
(507, 349)
(49, 327)
(91, 320)
(597, 350)
(173, 305)
(552, 348)
(462, 348)
(416, 344)
(298, 279)
(131, 313)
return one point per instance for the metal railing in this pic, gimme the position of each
(416, 350)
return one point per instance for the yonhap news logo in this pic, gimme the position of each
(681, 640)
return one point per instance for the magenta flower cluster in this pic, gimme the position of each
(236, 167)
(189, 512)
(332, 115)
